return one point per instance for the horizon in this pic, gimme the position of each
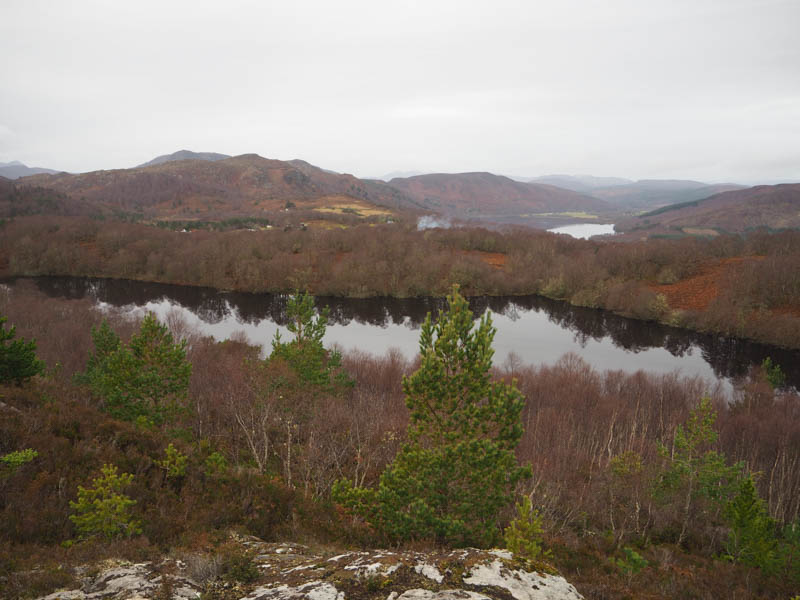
(668, 90)
(513, 176)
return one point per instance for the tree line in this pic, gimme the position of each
(757, 299)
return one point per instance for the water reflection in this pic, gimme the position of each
(585, 230)
(534, 328)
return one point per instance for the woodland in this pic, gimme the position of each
(133, 439)
(737, 285)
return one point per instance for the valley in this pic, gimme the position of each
(611, 334)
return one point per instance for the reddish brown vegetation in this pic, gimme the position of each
(397, 260)
(698, 291)
(768, 206)
(246, 185)
(484, 195)
(493, 259)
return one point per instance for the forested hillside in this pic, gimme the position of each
(770, 207)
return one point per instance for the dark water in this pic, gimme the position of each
(536, 329)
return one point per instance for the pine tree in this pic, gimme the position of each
(752, 538)
(305, 353)
(147, 379)
(18, 360)
(103, 510)
(458, 470)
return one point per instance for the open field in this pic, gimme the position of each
(349, 206)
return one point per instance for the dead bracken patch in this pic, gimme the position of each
(493, 259)
(697, 292)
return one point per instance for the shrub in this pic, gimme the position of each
(215, 464)
(145, 381)
(751, 539)
(238, 566)
(695, 472)
(175, 462)
(631, 564)
(103, 510)
(18, 360)
(14, 460)
(775, 375)
(523, 536)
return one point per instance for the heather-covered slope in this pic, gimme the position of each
(493, 197)
(770, 206)
(246, 185)
(19, 199)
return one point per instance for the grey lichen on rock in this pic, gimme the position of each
(131, 582)
(294, 572)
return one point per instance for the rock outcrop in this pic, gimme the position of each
(293, 572)
(132, 582)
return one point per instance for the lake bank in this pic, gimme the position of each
(531, 329)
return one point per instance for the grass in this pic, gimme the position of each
(698, 231)
(354, 208)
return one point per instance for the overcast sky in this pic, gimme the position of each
(701, 89)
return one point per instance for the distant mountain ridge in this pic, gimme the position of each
(207, 185)
(184, 155)
(736, 211)
(242, 185)
(580, 183)
(486, 196)
(399, 174)
(653, 193)
(644, 194)
(15, 170)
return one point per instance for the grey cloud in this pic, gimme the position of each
(705, 89)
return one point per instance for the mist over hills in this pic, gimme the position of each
(654, 193)
(644, 194)
(399, 175)
(579, 183)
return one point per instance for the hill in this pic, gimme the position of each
(17, 199)
(488, 197)
(653, 193)
(246, 185)
(644, 194)
(580, 183)
(184, 155)
(399, 175)
(15, 170)
(770, 206)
